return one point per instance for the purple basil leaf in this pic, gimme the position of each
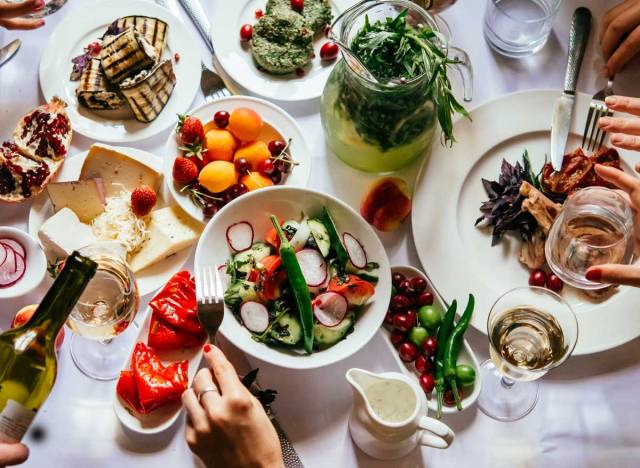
(79, 64)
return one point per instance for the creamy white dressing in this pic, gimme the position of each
(391, 400)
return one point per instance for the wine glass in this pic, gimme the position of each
(595, 227)
(531, 331)
(105, 310)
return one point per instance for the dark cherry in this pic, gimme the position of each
(266, 167)
(397, 278)
(418, 284)
(427, 383)
(276, 176)
(221, 119)
(430, 346)
(537, 278)
(408, 352)
(237, 190)
(449, 400)
(424, 365)
(405, 287)
(426, 298)
(402, 322)
(242, 165)
(210, 209)
(397, 337)
(399, 302)
(329, 51)
(276, 147)
(413, 317)
(388, 318)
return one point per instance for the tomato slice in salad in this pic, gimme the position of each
(356, 290)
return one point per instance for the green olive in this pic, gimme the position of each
(417, 335)
(465, 375)
(430, 316)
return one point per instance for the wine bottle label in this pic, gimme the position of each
(14, 421)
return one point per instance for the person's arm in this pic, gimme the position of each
(11, 14)
(226, 425)
(13, 454)
(620, 36)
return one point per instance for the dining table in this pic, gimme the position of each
(586, 415)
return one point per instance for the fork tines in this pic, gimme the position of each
(593, 136)
(209, 288)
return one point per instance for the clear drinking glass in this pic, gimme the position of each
(105, 309)
(518, 28)
(531, 331)
(50, 6)
(595, 227)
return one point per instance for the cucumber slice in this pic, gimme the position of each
(325, 337)
(334, 237)
(287, 330)
(247, 259)
(320, 235)
(369, 273)
(239, 292)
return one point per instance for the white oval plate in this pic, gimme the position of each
(449, 191)
(36, 263)
(150, 279)
(235, 56)
(162, 418)
(467, 356)
(84, 25)
(289, 202)
(272, 115)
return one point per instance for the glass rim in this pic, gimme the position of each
(548, 292)
(551, 14)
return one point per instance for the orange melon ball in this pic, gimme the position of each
(255, 153)
(218, 176)
(221, 145)
(255, 181)
(245, 124)
(210, 126)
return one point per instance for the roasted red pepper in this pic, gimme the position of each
(128, 391)
(164, 337)
(175, 304)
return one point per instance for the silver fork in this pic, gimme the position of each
(593, 135)
(210, 298)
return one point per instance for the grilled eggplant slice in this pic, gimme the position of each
(126, 53)
(148, 92)
(153, 29)
(94, 91)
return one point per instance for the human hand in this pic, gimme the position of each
(13, 454)
(623, 132)
(10, 14)
(620, 36)
(228, 426)
(612, 273)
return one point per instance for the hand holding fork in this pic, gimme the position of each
(624, 132)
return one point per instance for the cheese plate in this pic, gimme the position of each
(149, 279)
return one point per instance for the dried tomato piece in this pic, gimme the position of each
(575, 169)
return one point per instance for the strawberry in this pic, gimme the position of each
(185, 170)
(190, 129)
(143, 199)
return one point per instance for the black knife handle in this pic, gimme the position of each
(578, 38)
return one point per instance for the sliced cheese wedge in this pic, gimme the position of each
(84, 197)
(170, 230)
(117, 170)
(63, 233)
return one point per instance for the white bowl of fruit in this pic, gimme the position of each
(224, 149)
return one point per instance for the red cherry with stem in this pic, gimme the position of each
(266, 166)
(554, 283)
(397, 337)
(430, 346)
(242, 165)
(402, 322)
(329, 51)
(407, 352)
(418, 284)
(537, 278)
(427, 383)
(276, 147)
(221, 119)
(246, 32)
(426, 298)
(237, 190)
(424, 365)
(297, 5)
(405, 287)
(397, 278)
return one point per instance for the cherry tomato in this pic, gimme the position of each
(407, 352)
(397, 337)
(399, 302)
(430, 346)
(554, 283)
(329, 51)
(297, 5)
(397, 278)
(426, 298)
(266, 166)
(418, 284)
(424, 365)
(246, 32)
(402, 322)
(537, 278)
(276, 147)
(427, 383)
(221, 119)
(417, 335)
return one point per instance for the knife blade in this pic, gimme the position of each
(9, 51)
(199, 17)
(563, 107)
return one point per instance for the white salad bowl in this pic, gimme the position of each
(35, 263)
(286, 203)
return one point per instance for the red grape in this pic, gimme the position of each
(221, 119)
(427, 383)
(407, 352)
(537, 278)
(430, 346)
(554, 283)
(246, 32)
(329, 51)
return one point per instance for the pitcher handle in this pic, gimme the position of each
(465, 69)
(435, 433)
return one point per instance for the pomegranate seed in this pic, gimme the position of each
(259, 13)
(176, 57)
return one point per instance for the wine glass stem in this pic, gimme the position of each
(507, 382)
(106, 342)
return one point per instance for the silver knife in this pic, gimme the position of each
(199, 18)
(563, 107)
(9, 51)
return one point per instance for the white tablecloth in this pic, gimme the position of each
(587, 414)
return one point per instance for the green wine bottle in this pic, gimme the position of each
(28, 363)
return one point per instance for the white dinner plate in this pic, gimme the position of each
(150, 279)
(273, 116)
(235, 57)
(85, 24)
(458, 256)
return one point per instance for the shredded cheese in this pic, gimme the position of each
(118, 222)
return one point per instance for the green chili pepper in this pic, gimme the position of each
(298, 285)
(465, 375)
(452, 349)
(334, 238)
(443, 334)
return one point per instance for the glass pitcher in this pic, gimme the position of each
(374, 126)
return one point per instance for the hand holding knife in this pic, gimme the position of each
(563, 107)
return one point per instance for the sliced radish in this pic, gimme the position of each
(330, 308)
(224, 276)
(15, 245)
(356, 252)
(313, 266)
(300, 238)
(4, 252)
(240, 236)
(13, 269)
(255, 316)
